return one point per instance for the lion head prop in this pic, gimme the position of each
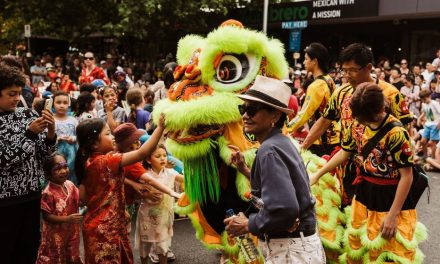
(202, 118)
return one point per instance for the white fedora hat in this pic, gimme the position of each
(271, 92)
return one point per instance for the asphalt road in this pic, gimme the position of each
(429, 214)
(189, 250)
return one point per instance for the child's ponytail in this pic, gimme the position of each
(134, 98)
(132, 117)
(87, 133)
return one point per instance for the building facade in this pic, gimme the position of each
(394, 29)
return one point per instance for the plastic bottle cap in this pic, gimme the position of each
(230, 212)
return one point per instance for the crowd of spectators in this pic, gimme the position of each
(118, 91)
(419, 83)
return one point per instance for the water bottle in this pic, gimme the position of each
(246, 244)
(256, 201)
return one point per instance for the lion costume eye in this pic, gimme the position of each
(233, 68)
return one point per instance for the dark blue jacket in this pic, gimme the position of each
(279, 178)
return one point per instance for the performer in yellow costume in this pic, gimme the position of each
(317, 97)
(382, 222)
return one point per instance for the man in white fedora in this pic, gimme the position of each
(286, 224)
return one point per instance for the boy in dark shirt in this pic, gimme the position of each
(25, 141)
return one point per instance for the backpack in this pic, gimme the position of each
(420, 178)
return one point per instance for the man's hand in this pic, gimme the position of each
(38, 125)
(50, 121)
(237, 225)
(389, 226)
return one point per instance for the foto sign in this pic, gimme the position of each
(294, 24)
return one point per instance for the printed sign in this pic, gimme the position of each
(294, 40)
(294, 24)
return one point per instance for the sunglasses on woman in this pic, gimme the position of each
(250, 109)
(88, 58)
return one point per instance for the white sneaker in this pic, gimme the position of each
(171, 256)
(153, 257)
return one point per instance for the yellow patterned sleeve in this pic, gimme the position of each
(333, 109)
(397, 103)
(400, 109)
(316, 92)
(399, 144)
(348, 142)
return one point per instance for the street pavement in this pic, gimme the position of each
(429, 214)
(189, 250)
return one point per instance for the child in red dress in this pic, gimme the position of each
(99, 171)
(59, 205)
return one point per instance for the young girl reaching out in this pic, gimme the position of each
(99, 171)
(65, 127)
(154, 227)
(60, 237)
(127, 139)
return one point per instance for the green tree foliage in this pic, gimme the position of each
(139, 19)
(66, 19)
(157, 18)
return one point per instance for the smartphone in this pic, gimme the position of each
(48, 104)
(83, 210)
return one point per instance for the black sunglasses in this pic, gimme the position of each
(88, 58)
(250, 109)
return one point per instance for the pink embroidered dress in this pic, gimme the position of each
(60, 241)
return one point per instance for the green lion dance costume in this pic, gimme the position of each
(202, 118)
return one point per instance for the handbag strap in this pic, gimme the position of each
(378, 136)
